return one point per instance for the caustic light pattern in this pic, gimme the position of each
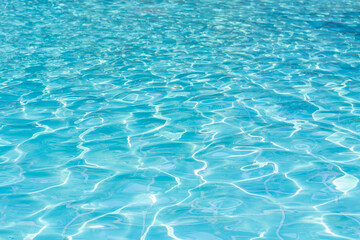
(179, 119)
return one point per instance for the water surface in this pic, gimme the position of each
(194, 120)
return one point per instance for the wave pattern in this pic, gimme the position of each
(179, 119)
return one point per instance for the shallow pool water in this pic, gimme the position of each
(179, 119)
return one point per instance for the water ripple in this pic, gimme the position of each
(147, 119)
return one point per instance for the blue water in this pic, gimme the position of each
(179, 119)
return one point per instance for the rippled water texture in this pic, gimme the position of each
(194, 120)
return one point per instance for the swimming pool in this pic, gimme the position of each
(179, 119)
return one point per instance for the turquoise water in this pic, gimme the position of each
(179, 119)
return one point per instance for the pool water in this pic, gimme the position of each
(179, 119)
